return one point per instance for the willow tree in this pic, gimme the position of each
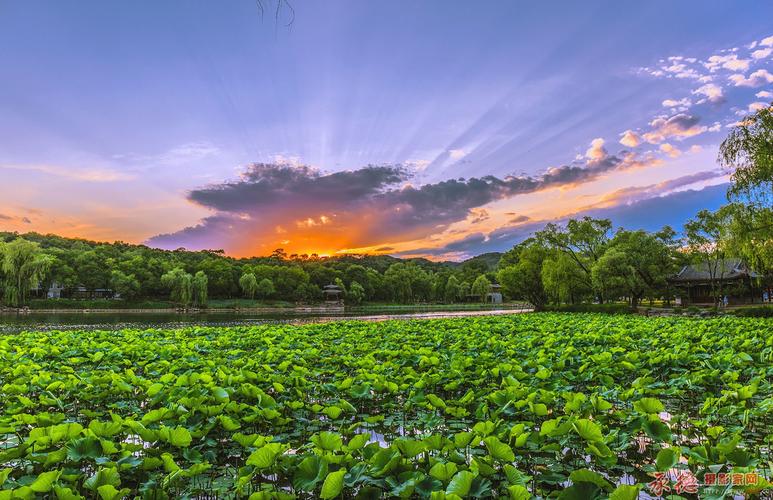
(199, 288)
(180, 285)
(249, 285)
(748, 154)
(24, 266)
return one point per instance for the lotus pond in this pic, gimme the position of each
(576, 406)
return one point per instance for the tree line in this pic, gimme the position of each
(30, 263)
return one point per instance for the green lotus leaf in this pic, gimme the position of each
(329, 441)
(588, 430)
(499, 450)
(309, 473)
(460, 484)
(588, 476)
(333, 485)
(667, 458)
(648, 406)
(45, 481)
(443, 471)
(265, 456)
(625, 492)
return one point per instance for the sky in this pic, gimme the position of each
(437, 129)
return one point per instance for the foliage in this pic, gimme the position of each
(481, 287)
(748, 152)
(523, 280)
(23, 266)
(265, 288)
(180, 285)
(356, 293)
(199, 289)
(249, 285)
(550, 405)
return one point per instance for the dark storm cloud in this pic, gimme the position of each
(379, 200)
(264, 185)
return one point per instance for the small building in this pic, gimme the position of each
(55, 290)
(332, 293)
(693, 283)
(494, 296)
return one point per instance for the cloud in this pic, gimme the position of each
(767, 42)
(75, 173)
(673, 103)
(670, 150)
(478, 215)
(678, 126)
(756, 106)
(712, 92)
(757, 79)
(762, 53)
(729, 61)
(764, 94)
(630, 138)
(456, 154)
(519, 219)
(647, 207)
(359, 208)
(596, 151)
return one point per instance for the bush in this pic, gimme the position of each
(615, 308)
(98, 304)
(755, 312)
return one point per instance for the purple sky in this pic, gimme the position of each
(415, 128)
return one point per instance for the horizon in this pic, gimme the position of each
(430, 130)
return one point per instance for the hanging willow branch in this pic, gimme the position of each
(278, 10)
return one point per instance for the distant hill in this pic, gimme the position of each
(491, 259)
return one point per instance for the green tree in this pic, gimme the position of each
(356, 293)
(249, 285)
(748, 153)
(523, 280)
(615, 274)
(451, 290)
(583, 241)
(24, 267)
(706, 236)
(481, 287)
(563, 279)
(124, 284)
(200, 289)
(180, 285)
(265, 288)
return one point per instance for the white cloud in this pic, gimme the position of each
(672, 103)
(730, 61)
(713, 92)
(756, 79)
(596, 151)
(764, 94)
(630, 138)
(456, 154)
(762, 53)
(767, 42)
(756, 106)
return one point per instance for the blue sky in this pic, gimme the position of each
(119, 118)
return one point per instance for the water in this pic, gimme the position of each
(12, 322)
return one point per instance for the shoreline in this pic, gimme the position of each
(322, 310)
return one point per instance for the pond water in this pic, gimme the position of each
(12, 322)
